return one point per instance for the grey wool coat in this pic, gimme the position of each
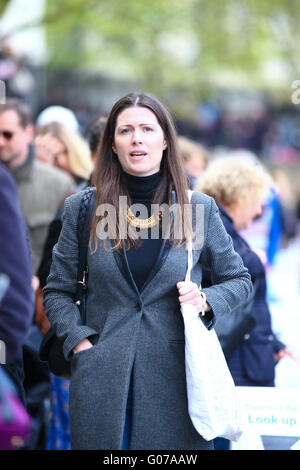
(138, 334)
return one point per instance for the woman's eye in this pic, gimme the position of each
(147, 129)
(125, 131)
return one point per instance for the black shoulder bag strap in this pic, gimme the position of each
(83, 234)
(51, 348)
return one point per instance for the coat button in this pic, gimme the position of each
(247, 336)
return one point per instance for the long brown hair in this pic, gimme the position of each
(107, 175)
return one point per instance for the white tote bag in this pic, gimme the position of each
(212, 399)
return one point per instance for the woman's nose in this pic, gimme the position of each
(137, 136)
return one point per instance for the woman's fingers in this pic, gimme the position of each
(188, 291)
(186, 286)
(189, 296)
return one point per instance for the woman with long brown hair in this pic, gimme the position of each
(128, 385)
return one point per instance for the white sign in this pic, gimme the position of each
(266, 412)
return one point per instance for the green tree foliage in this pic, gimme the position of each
(175, 47)
(3, 5)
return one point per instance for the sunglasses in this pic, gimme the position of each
(7, 134)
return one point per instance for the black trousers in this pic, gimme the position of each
(16, 373)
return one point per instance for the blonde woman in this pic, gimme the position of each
(64, 148)
(58, 145)
(238, 186)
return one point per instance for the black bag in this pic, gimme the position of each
(51, 348)
(231, 329)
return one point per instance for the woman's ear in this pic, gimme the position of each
(113, 147)
(165, 144)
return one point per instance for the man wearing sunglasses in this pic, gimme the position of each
(15, 137)
(42, 188)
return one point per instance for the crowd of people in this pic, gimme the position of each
(127, 389)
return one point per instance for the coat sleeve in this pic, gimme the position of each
(230, 278)
(16, 309)
(60, 289)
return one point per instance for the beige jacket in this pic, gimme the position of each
(42, 189)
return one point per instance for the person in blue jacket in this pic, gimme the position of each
(238, 187)
(16, 306)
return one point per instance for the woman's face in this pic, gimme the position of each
(244, 211)
(61, 159)
(195, 165)
(139, 141)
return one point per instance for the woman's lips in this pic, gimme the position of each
(138, 155)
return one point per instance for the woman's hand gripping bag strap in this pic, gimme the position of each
(51, 349)
(212, 399)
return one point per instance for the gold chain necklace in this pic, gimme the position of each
(143, 223)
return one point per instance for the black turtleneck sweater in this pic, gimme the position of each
(142, 259)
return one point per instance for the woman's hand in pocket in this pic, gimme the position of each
(84, 344)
